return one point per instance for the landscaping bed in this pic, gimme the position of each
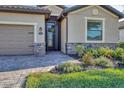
(107, 78)
(103, 56)
(95, 68)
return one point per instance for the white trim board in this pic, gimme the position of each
(18, 23)
(103, 22)
(23, 23)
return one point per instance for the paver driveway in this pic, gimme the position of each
(10, 63)
(14, 69)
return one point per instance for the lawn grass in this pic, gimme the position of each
(107, 78)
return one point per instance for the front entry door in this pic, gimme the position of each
(51, 33)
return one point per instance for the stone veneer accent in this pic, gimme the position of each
(71, 46)
(39, 49)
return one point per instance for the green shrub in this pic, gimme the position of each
(119, 51)
(117, 54)
(94, 52)
(121, 45)
(69, 67)
(88, 59)
(107, 52)
(79, 49)
(104, 62)
(122, 58)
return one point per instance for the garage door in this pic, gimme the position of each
(16, 39)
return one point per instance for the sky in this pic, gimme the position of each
(119, 7)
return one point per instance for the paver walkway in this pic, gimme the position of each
(16, 79)
(16, 68)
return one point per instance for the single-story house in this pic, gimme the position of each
(38, 29)
(91, 26)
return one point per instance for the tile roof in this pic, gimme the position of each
(61, 6)
(107, 7)
(24, 9)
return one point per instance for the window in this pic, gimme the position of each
(94, 30)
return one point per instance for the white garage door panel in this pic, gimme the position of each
(12, 39)
(17, 45)
(11, 32)
(16, 52)
(16, 39)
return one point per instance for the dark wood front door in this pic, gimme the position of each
(51, 35)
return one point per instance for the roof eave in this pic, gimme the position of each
(33, 11)
(74, 8)
(122, 27)
(60, 6)
(62, 15)
(113, 10)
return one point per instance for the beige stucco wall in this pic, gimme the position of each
(76, 25)
(121, 23)
(121, 33)
(26, 18)
(63, 35)
(55, 10)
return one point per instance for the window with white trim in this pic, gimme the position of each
(94, 30)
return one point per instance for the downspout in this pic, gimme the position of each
(66, 35)
(65, 16)
(66, 43)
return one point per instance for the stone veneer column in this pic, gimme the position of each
(39, 49)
